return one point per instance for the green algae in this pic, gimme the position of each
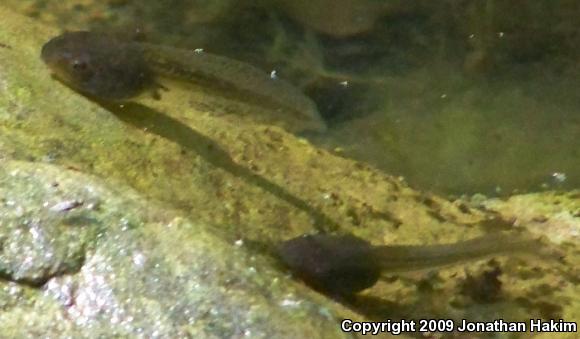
(147, 270)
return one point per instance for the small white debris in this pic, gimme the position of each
(139, 260)
(500, 34)
(290, 303)
(274, 75)
(198, 50)
(35, 233)
(67, 205)
(344, 83)
(91, 206)
(239, 242)
(18, 211)
(559, 177)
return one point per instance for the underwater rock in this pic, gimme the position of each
(89, 257)
(146, 271)
(336, 18)
(553, 214)
(42, 235)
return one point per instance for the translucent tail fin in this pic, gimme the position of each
(394, 259)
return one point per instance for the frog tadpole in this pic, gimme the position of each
(106, 67)
(338, 265)
(344, 265)
(98, 65)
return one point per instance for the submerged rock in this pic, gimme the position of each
(342, 18)
(117, 265)
(42, 235)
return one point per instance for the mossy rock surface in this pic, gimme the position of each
(113, 264)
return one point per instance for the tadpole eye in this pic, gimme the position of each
(81, 69)
(79, 65)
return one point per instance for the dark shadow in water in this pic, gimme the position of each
(169, 128)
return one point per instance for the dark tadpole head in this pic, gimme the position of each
(335, 265)
(97, 65)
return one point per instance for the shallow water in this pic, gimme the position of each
(478, 101)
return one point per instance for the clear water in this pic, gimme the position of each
(458, 97)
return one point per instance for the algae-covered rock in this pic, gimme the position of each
(146, 272)
(256, 181)
(553, 214)
(101, 262)
(81, 259)
(38, 245)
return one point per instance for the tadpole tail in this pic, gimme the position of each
(394, 259)
(249, 82)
